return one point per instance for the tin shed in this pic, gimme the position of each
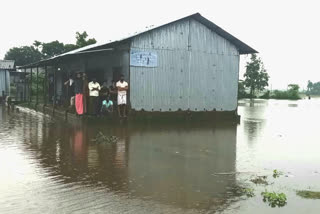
(189, 64)
(5, 67)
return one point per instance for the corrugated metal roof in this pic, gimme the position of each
(6, 64)
(241, 46)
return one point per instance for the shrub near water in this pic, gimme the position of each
(291, 94)
(308, 194)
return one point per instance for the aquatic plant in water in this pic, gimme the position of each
(101, 138)
(276, 173)
(308, 194)
(274, 199)
(260, 180)
(248, 192)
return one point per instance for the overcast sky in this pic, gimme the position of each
(285, 32)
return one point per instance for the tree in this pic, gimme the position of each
(40, 50)
(309, 86)
(82, 39)
(69, 47)
(51, 49)
(293, 91)
(23, 55)
(241, 90)
(256, 76)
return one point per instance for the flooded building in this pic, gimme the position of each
(5, 67)
(188, 65)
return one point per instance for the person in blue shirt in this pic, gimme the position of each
(107, 105)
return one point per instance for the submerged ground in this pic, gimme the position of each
(50, 166)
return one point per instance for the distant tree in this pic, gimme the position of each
(293, 91)
(53, 48)
(41, 50)
(37, 44)
(313, 88)
(241, 90)
(82, 39)
(70, 47)
(256, 76)
(23, 55)
(309, 86)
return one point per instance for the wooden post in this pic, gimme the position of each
(54, 84)
(25, 85)
(45, 88)
(37, 95)
(30, 86)
(5, 84)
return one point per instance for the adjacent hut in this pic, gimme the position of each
(188, 65)
(5, 67)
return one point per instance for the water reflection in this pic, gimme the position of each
(168, 164)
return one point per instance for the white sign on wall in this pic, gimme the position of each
(143, 58)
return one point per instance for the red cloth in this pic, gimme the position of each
(79, 103)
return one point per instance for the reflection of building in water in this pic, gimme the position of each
(179, 165)
(170, 164)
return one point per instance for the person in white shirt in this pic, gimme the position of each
(94, 88)
(70, 89)
(122, 87)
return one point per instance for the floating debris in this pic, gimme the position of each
(101, 138)
(308, 194)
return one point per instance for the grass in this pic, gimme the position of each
(274, 199)
(308, 194)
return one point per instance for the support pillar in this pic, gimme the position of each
(45, 83)
(30, 86)
(25, 86)
(37, 95)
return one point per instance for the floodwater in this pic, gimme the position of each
(50, 166)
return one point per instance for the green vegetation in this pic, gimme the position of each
(291, 94)
(313, 88)
(242, 90)
(277, 174)
(260, 180)
(274, 199)
(256, 76)
(248, 192)
(308, 194)
(39, 50)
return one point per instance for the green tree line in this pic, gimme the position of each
(256, 79)
(313, 88)
(40, 50)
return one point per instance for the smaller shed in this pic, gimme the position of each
(5, 67)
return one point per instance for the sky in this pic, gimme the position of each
(286, 33)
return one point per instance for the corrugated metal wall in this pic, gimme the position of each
(197, 70)
(4, 82)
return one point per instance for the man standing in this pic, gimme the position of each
(94, 88)
(70, 89)
(122, 87)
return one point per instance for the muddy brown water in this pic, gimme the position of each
(51, 166)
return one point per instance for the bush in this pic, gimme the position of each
(291, 94)
(266, 95)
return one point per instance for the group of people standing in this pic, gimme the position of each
(93, 99)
